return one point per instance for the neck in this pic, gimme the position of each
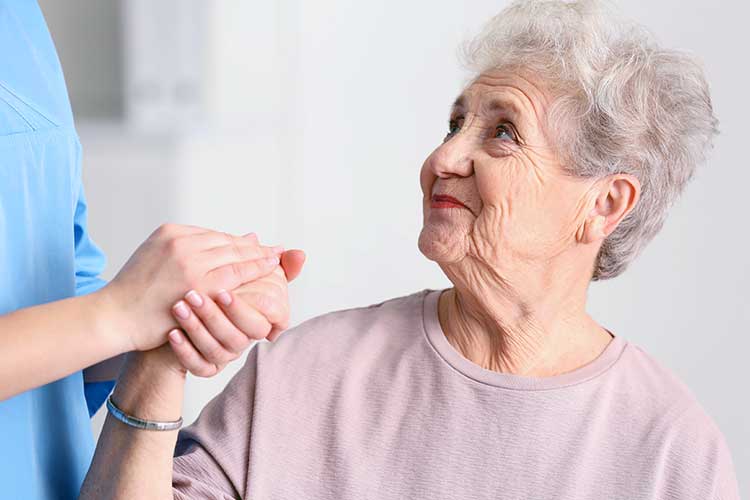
(525, 323)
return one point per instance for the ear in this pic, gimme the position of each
(617, 196)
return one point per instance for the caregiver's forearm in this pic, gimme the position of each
(131, 463)
(44, 343)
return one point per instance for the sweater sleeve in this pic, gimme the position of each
(698, 463)
(725, 481)
(211, 456)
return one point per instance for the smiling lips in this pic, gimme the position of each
(445, 201)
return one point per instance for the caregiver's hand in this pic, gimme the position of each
(220, 327)
(174, 259)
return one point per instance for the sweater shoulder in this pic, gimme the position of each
(334, 336)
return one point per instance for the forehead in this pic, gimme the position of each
(505, 91)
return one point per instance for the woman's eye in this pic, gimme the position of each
(453, 127)
(505, 132)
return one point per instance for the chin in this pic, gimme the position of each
(441, 245)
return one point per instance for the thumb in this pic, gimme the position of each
(292, 262)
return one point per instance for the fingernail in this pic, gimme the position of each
(181, 310)
(277, 249)
(194, 298)
(175, 336)
(251, 235)
(272, 261)
(224, 298)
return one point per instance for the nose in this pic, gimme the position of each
(453, 158)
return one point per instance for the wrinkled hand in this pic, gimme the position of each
(174, 259)
(269, 294)
(220, 327)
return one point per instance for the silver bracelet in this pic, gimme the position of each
(139, 423)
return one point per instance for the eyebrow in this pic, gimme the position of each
(505, 105)
(494, 105)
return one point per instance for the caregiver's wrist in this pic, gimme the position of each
(112, 321)
(129, 326)
(151, 386)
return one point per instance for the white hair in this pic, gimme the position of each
(622, 104)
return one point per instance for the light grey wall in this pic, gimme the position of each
(365, 91)
(88, 38)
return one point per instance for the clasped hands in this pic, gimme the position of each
(237, 293)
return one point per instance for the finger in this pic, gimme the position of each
(206, 240)
(230, 276)
(207, 345)
(246, 318)
(189, 357)
(276, 333)
(292, 262)
(228, 254)
(271, 301)
(217, 323)
(218, 239)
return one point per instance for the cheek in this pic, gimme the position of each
(509, 190)
(525, 211)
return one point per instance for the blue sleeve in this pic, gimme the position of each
(96, 394)
(90, 262)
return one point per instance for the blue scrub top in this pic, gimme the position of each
(46, 254)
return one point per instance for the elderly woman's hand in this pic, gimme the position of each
(221, 327)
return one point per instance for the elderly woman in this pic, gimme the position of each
(561, 158)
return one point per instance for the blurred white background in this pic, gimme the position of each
(307, 122)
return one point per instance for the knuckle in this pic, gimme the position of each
(221, 277)
(232, 242)
(237, 270)
(264, 303)
(279, 307)
(174, 248)
(267, 329)
(191, 281)
(167, 230)
(237, 343)
(215, 354)
(275, 289)
(283, 318)
(277, 313)
(207, 313)
(163, 229)
(275, 284)
(191, 325)
(260, 331)
(235, 348)
(243, 271)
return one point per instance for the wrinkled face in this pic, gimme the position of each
(495, 189)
